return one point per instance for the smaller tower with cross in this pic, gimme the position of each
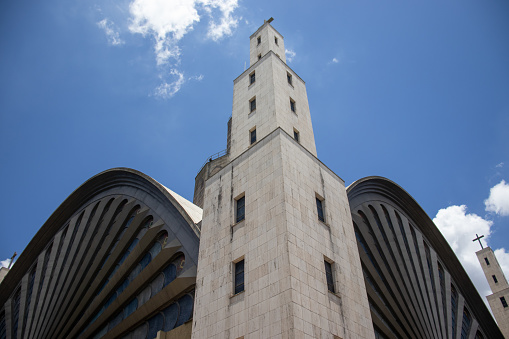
(499, 299)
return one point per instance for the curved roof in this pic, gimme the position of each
(104, 181)
(370, 188)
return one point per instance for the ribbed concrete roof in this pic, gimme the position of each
(192, 210)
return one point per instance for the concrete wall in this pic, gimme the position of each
(284, 246)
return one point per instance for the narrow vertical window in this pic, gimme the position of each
(259, 40)
(239, 277)
(454, 310)
(465, 325)
(252, 104)
(292, 105)
(329, 275)
(289, 78)
(494, 279)
(296, 135)
(259, 56)
(252, 136)
(504, 303)
(252, 78)
(319, 209)
(275, 40)
(240, 209)
(487, 261)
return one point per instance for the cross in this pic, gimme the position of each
(479, 239)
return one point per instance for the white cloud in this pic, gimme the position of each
(498, 201)
(197, 78)
(503, 259)
(227, 22)
(167, 22)
(5, 263)
(290, 55)
(459, 228)
(112, 35)
(500, 165)
(167, 90)
(334, 60)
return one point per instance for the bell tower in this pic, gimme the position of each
(278, 255)
(499, 299)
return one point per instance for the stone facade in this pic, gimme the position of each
(283, 243)
(499, 287)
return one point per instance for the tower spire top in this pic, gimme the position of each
(479, 239)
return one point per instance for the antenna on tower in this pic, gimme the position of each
(244, 65)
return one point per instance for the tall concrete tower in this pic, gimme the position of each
(499, 299)
(278, 254)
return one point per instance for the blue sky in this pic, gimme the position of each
(415, 92)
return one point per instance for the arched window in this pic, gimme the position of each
(454, 309)
(441, 278)
(465, 325)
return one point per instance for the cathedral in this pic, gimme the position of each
(274, 245)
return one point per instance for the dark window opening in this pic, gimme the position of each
(296, 135)
(240, 210)
(465, 325)
(454, 310)
(252, 105)
(487, 261)
(259, 40)
(292, 105)
(329, 275)
(275, 40)
(239, 277)
(319, 208)
(252, 78)
(289, 78)
(504, 303)
(494, 279)
(259, 56)
(253, 136)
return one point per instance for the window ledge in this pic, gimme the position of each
(324, 223)
(236, 294)
(238, 223)
(334, 294)
(253, 111)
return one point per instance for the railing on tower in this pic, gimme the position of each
(214, 157)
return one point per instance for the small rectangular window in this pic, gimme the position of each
(289, 78)
(504, 303)
(252, 78)
(292, 105)
(252, 136)
(240, 213)
(259, 56)
(252, 104)
(239, 277)
(319, 209)
(275, 40)
(495, 279)
(330, 276)
(259, 40)
(487, 261)
(296, 135)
